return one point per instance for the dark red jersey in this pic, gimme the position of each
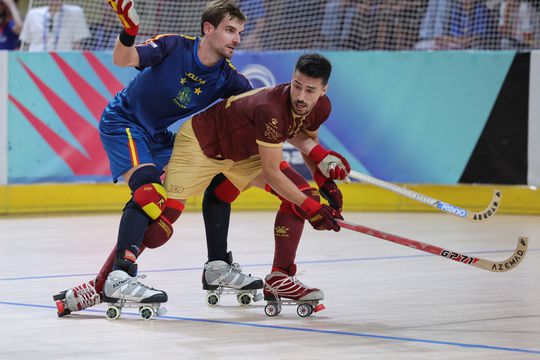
(232, 128)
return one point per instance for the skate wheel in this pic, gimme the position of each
(244, 299)
(272, 309)
(212, 299)
(318, 307)
(146, 312)
(113, 312)
(304, 310)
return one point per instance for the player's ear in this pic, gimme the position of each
(325, 88)
(208, 28)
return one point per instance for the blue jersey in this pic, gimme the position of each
(174, 84)
(8, 39)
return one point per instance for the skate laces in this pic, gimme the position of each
(285, 284)
(236, 267)
(297, 281)
(135, 281)
(87, 296)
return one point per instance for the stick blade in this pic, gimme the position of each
(511, 263)
(489, 211)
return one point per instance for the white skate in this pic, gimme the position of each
(122, 290)
(226, 277)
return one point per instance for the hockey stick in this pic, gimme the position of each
(438, 204)
(495, 266)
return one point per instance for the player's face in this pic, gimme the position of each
(226, 37)
(305, 92)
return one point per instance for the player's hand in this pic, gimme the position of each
(320, 216)
(329, 191)
(331, 164)
(127, 14)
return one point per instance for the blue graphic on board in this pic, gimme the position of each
(410, 117)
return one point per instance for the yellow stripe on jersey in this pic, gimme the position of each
(158, 37)
(267, 144)
(230, 64)
(188, 37)
(132, 148)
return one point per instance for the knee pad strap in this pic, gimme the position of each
(151, 198)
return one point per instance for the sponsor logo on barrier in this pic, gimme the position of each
(452, 209)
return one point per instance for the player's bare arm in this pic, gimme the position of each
(270, 159)
(124, 53)
(313, 135)
(125, 56)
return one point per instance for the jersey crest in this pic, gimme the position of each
(183, 97)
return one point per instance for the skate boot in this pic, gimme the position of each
(122, 290)
(226, 277)
(283, 288)
(77, 298)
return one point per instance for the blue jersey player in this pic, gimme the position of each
(179, 75)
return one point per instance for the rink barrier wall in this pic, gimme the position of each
(453, 117)
(85, 198)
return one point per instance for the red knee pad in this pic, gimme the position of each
(161, 230)
(226, 191)
(151, 198)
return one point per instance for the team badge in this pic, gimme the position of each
(183, 97)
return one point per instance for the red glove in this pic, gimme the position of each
(329, 191)
(321, 217)
(331, 164)
(128, 15)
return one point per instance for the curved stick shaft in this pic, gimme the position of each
(489, 211)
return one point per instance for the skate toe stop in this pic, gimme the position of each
(318, 307)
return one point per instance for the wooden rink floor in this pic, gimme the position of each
(383, 300)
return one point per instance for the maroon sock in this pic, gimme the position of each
(287, 232)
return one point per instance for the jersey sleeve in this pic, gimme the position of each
(322, 112)
(154, 50)
(269, 128)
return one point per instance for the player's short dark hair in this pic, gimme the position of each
(314, 65)
(215, 11)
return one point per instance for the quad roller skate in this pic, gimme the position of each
(123, 291)
(76, 299)
(225, 277)
(282, 289)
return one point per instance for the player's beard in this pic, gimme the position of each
(303, 110)
(228, 52)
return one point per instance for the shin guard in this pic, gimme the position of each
(161, 230)
(217, 212)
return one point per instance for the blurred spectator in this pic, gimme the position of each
(469, 26)
(398, 23)
(516, 24)
(434, 24)
(10, 25)
(104, 29)
(345, 24)
(56, 27)
(255, 25)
